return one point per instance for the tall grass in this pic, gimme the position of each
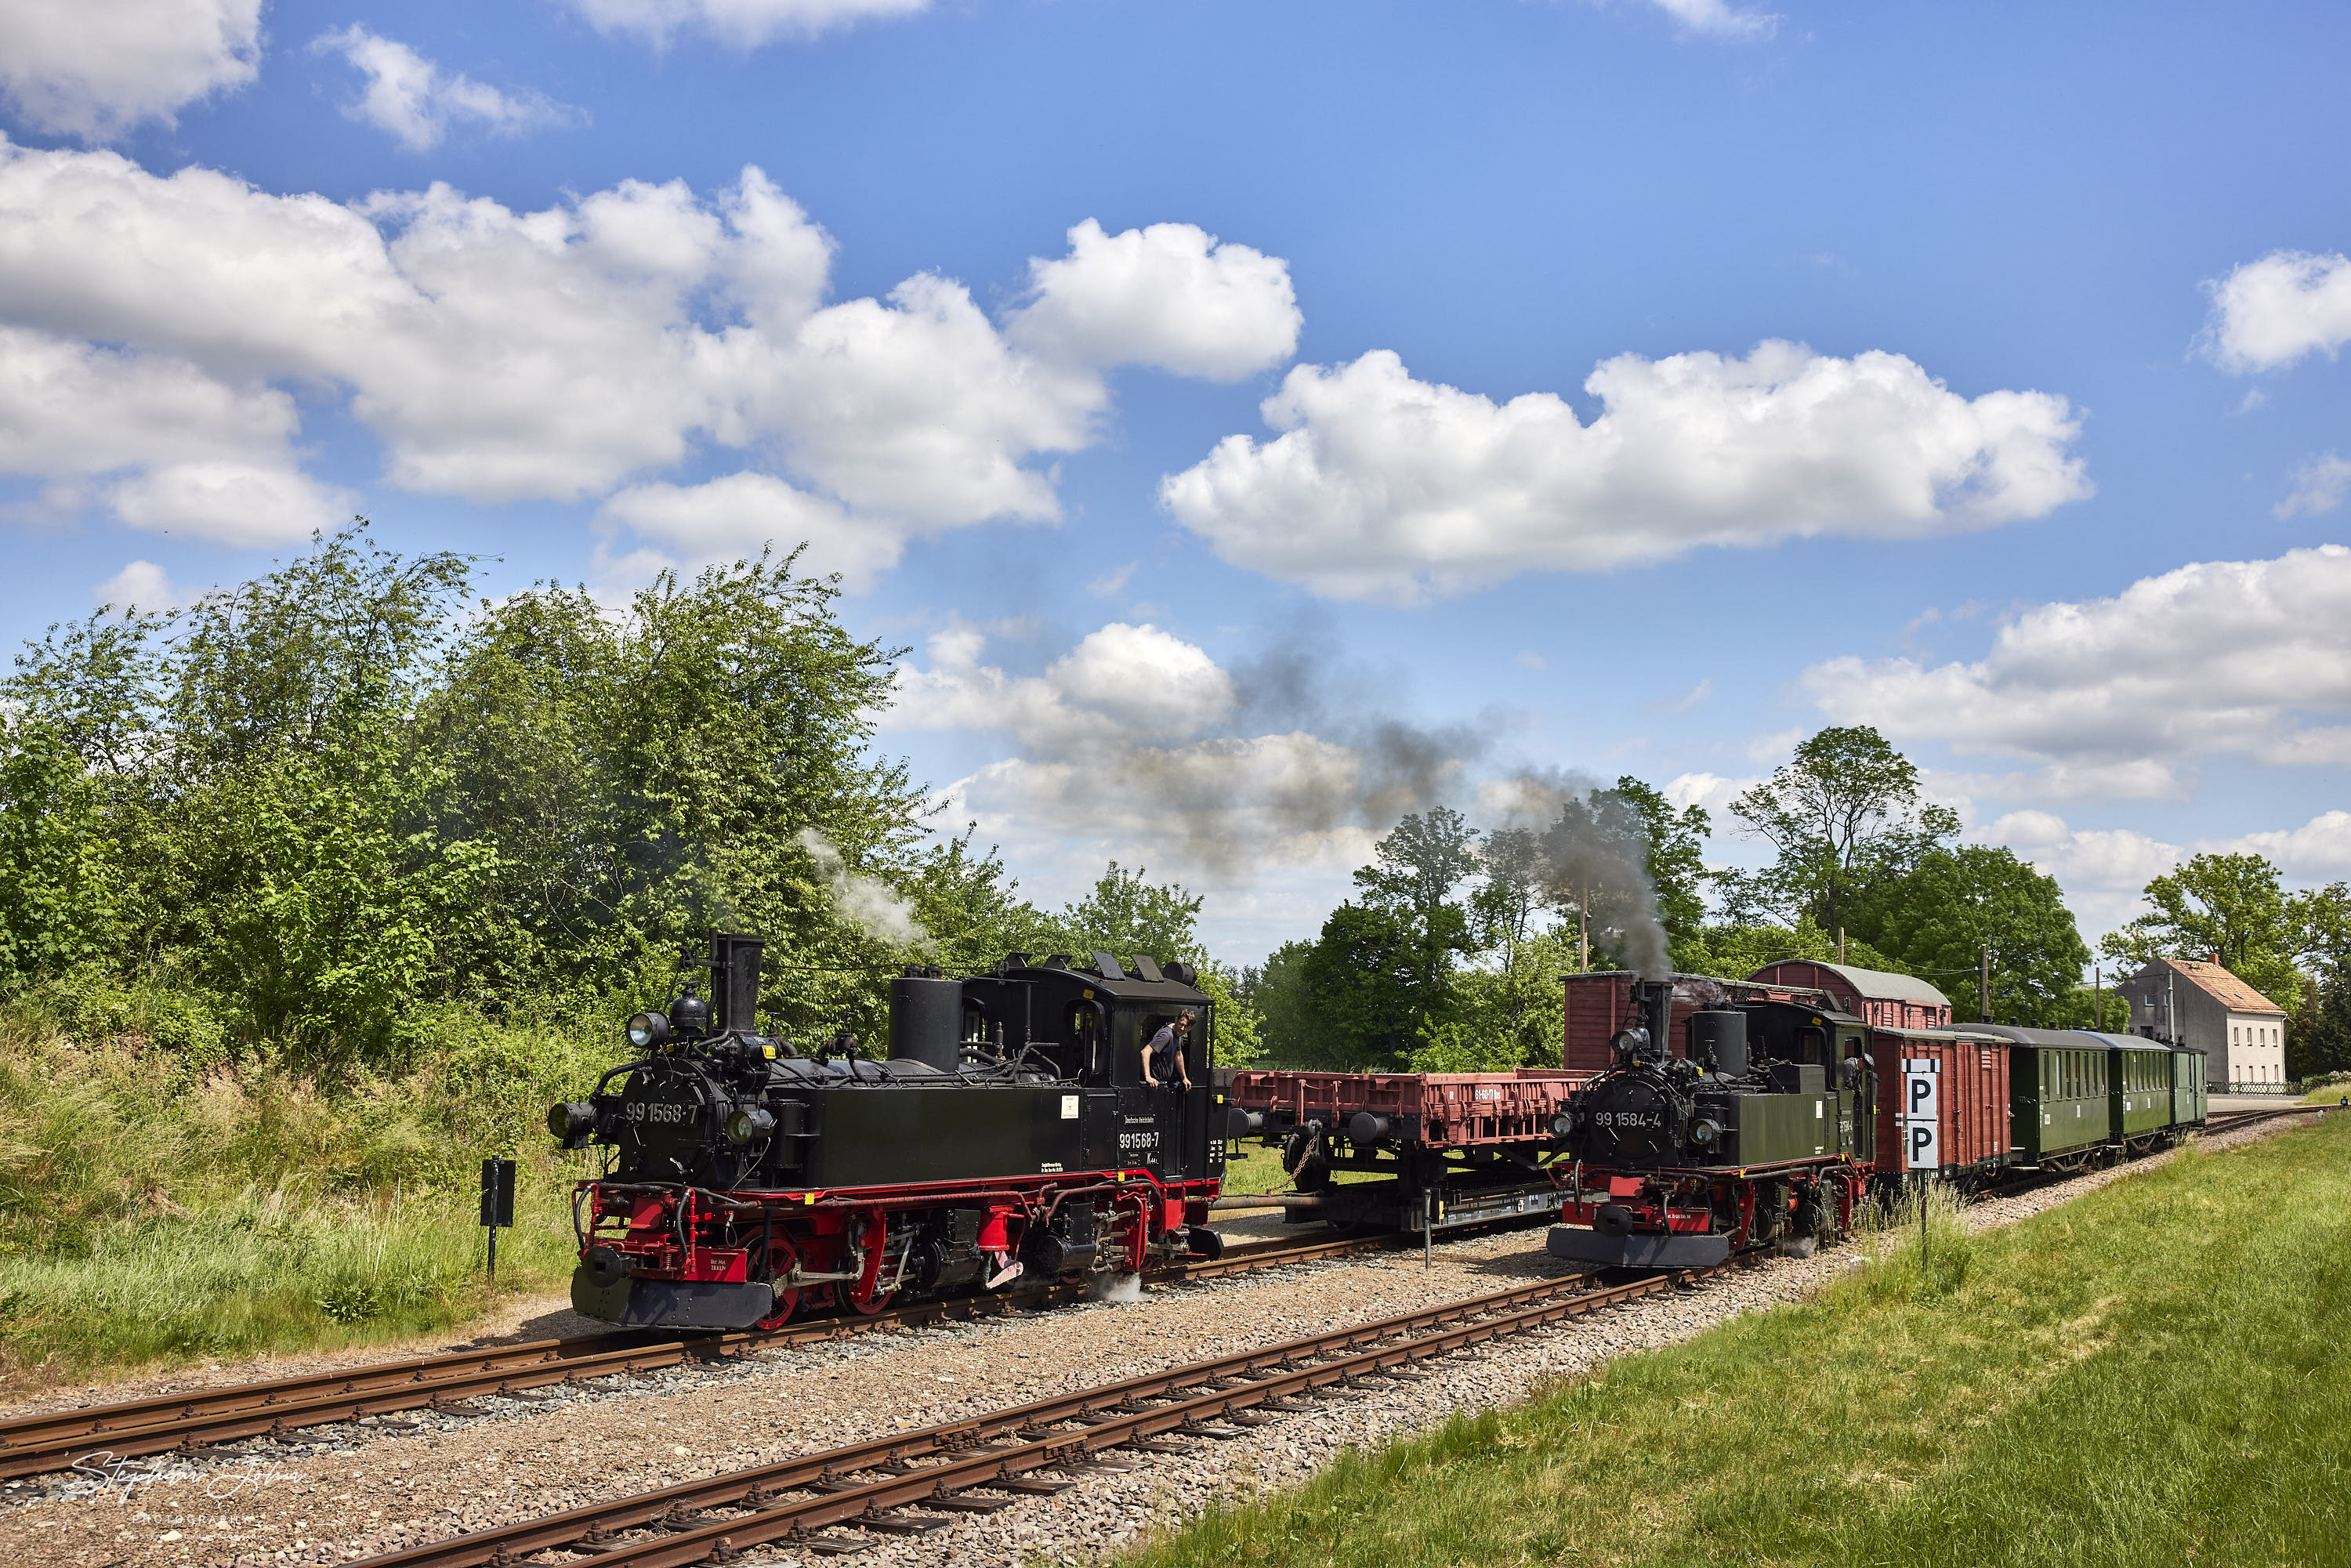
(1920, 1249)
(155, 1210)
(2149, 1375)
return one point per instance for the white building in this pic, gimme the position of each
(2205, 1008)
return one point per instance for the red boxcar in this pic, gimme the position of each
(1942, 1100)
(1873, 996)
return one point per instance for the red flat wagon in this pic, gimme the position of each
(1458, 1148)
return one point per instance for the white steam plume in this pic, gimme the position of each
(867, 902)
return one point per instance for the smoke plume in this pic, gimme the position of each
(867, 902)
(1593, 855)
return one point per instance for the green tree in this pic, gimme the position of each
(57, 901)
(1955, 904)
(331, 797)
(1409, 887)
(1417, 865)
(1846, 819)
(1291, 1028)
(1505, 910)
(1125, 915)
(971, 909)
(2231, 906)
(1734, 952)
(1509, 1016)
(1240, 1031)
(2318, 1038)
(1367, 981)
(2325, 918)
(648, 775)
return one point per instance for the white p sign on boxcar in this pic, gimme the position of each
(1922, 1119)
(1921, 1090)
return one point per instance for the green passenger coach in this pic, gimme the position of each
(2079, 1099)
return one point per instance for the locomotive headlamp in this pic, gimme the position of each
(647, 1030)
(1703, 1132)
(1629, 1040)
(571, 1122)
(749, 1125)
(1563, 1125)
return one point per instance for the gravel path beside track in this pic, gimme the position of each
(351, 1493)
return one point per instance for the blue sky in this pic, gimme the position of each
(1259, 420)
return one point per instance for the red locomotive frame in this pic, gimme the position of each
(827, 1247)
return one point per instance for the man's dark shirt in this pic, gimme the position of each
(1164, 1055)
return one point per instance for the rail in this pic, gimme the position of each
(191, 1422)
(913, 1483)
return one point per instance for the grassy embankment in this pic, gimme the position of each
(151, 1214)
(2150, 1375)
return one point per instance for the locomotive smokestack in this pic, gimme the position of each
(1655, 999)
(735, 976)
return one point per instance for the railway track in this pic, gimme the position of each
(2221, 1121)
(916, 1483)
(190, 1423)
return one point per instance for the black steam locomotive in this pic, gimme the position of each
(1007, 1134)
(1762, 1129)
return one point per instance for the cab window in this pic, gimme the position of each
(1082, 1029)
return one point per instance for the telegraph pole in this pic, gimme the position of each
(1983, 986)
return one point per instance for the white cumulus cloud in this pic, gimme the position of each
(2319, 487)
(1121, 684)
(1169, 294)
(156, 441)
(2269, 313)
(94, 69)
(2103, 871)
(1718, 19)
(1710, 790)
(2317, 851)
(583, 349)
(2247, 657)
(415, 99)
(1388, 488)
(140, 585)
(684, 527)
(745, 23)
(2140, 778)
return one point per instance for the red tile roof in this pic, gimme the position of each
(2231, 991)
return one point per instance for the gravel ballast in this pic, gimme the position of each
(349, 1492)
